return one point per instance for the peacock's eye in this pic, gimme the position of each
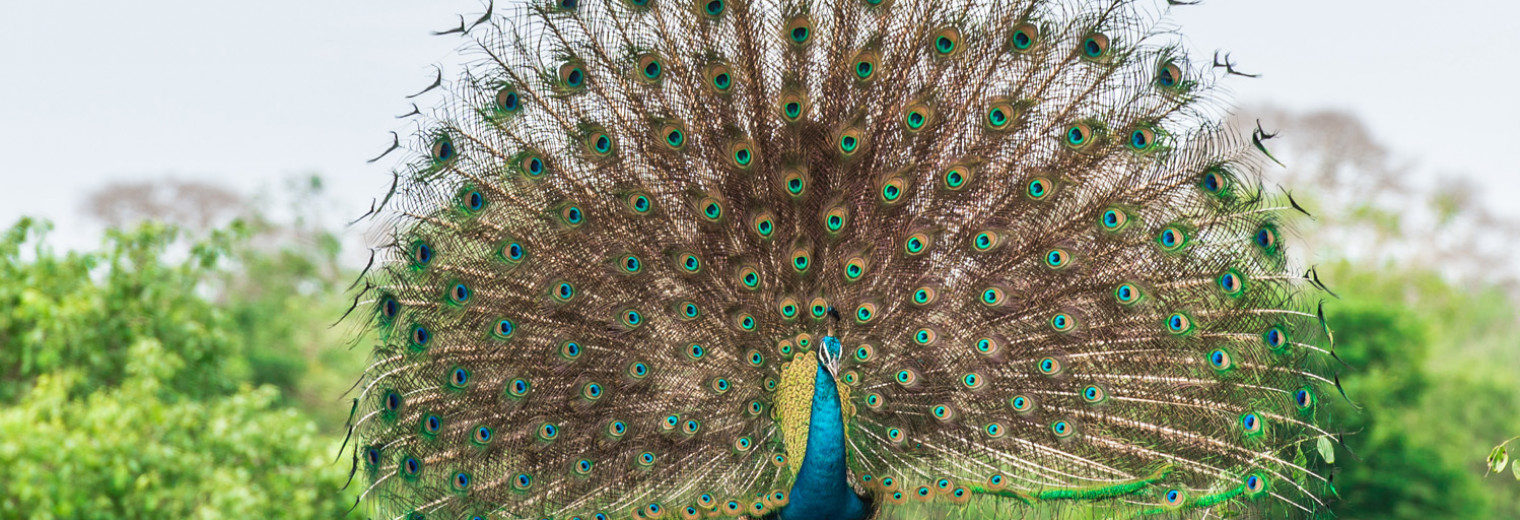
(1171, 238)
(743, 157)
(916, 244)
(507, 100)
(1078, 136)
(801, 260)
(1251, 423)
(639, 203)
(1095, 46)
(1179, 323)
(849, 141)
(1214, 181)
(443, 150)
(650, 68)
(1266, 238)
(1050, 366)
(794, 183)
(459, 294)
(1275, 338)
(1000, 116)
(389, 308)
(533, 166)
(865, 312)
(472, 200)
(864, 353)
(421, 336)
(986, 346)
(1062, 429)
(1304, 398)
(864, 65)
(720, 78)
(916, 117)
(570, 350)
(1039, 188)
(992, 296)
(1141, 139)
(1168, 75)
(572, 76)
(631, 318)
(1231, 283)
(947, 41)
(799, 30)
(690, 263)
(1114, 219)
(1255, 484)
(1057, 258)
(956, 177)
(422, 254)
(749, 277)
(1021, 403)
(1025, 37)
(923, 295)
(519, 387)
(600, 143)
(1220, 359)
(985, 240)
(892, 190)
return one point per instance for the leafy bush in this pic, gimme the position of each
(140, 450)
(138, 385)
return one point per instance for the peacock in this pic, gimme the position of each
(836, 260)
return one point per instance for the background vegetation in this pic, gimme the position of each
(188, 368)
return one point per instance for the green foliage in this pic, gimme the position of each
(1418, 351)
(155, 377)
(139, 450)
(1498, 458)
(82, 311)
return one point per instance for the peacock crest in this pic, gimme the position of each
(666, 259)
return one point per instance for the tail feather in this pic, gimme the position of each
(1059, 279)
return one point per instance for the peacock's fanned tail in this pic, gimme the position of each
(1060, 280)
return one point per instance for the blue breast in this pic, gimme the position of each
(822, 491)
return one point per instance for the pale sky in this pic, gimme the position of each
(251, 93)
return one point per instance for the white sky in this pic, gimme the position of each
(251, 93)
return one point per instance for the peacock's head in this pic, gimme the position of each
(828, 356)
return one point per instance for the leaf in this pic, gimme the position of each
(1498, 459)
(1516, 469)
(1326, 450)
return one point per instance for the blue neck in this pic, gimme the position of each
(821, 491)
